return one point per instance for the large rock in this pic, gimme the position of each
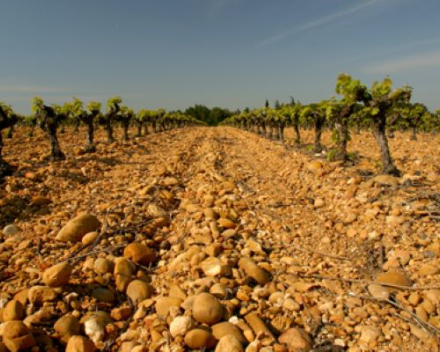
(41, 294)
(386, 180)
(199, 338)
(11, 230)
(13, 311)
(296, 339)
(369, 333)
(103, 295)
(138, 290)
(225, 328)
(80, 344)
(428, 269)
(394, 278)
(139, 253)
(40, 201)
(207, 309)
(17, 337)
(164, 304)
(379, 292)
(76, 228)
(66, 327)
(254, 271)
(214, 267)
(123, 271)
(57, 275)
(229, 343)
(180, 326)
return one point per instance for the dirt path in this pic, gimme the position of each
(313, 234)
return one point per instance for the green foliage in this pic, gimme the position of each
(113, 101)
(331, 154)
(93, 106)
(7, 110)
(381, 89)
(37, 104)
(349, 88)
(76, 107)
(126, 110)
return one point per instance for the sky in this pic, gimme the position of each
(227, 53)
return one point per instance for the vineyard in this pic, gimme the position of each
(287, 228)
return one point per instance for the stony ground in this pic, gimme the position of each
(217, 239)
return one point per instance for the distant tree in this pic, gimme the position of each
(211, 117)
(292, 101)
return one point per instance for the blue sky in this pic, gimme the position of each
(228, 53)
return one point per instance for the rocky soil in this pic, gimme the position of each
(215, 239)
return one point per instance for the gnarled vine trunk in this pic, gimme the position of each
(89, 119)
(379, 131)
(138, 128)
(297, 131)
(414, 133)
(319, 124)
(56, 153)
(341, 125)
(125, 127)
(49, 122)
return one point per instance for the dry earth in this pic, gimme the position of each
(217, 239)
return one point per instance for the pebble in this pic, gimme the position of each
(207, 309)
(139, 253)
(229, 343)
(369, 333)
(180, 326)
(296, 339)
(11, 230)
(251, 269)
(428, 269)
(223, 329)
(41, 294)
(57, 275)
(394, 278)
(138, 291)
(76, 228)
(379, 292)
(66, 327)
(16, 336)
(80, 344)
(13, 311)
(164, 304)
(199, 338)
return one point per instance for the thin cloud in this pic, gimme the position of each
(318, 22)
(217, 6)
(422, 61)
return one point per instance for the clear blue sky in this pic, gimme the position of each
(228, 53)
